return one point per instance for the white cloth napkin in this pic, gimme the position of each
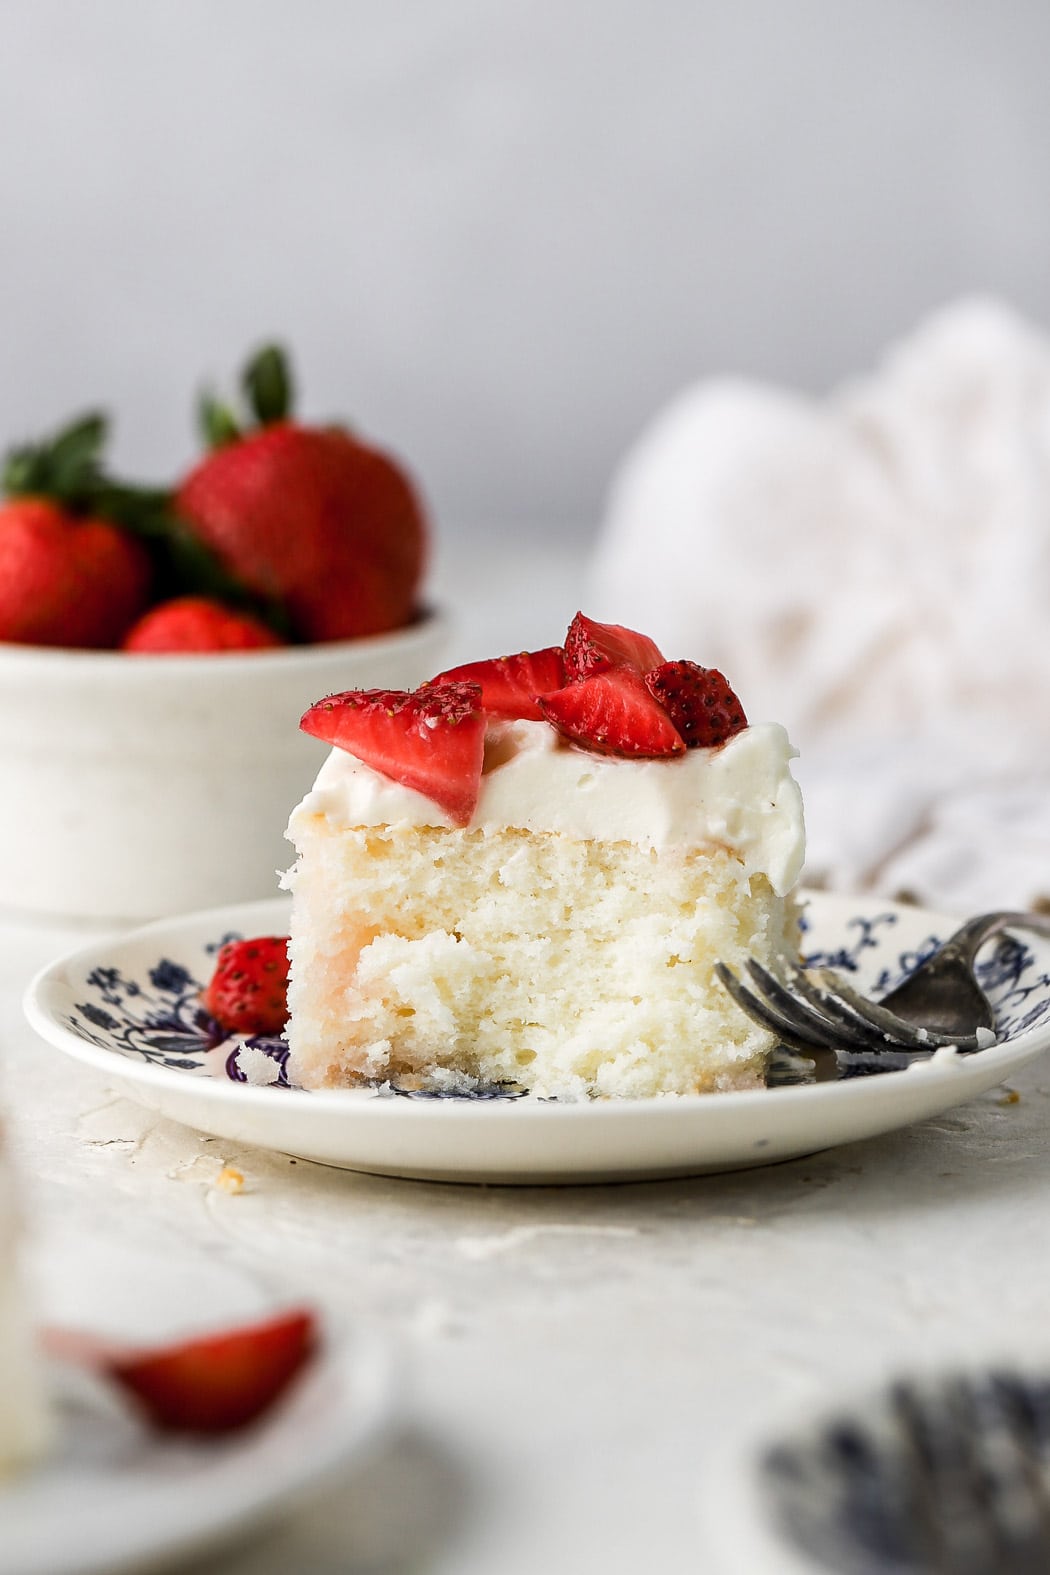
(872, 569)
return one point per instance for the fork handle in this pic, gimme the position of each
(970, 937)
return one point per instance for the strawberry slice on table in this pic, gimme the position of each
(615, 714)
(197, 625)
(510, 685)
(221, 1381)
(431, 740)
(592, 647)
(699, 701)
(248, 992)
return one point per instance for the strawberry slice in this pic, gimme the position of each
(431, 740)
(699, 702)
(592, 647)
(613, 713)
(510, 684)
(220, 1382)
(248, 992)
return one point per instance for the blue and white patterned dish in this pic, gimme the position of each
(131, 1009)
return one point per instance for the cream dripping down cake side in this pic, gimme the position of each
(525, 871)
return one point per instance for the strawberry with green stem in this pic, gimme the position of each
(310, 517)
(69, 575)
(82, 555)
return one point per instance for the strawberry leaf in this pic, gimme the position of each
(267, 385)
(218, 424)
(66, 467)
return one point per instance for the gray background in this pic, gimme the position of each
(500, 235)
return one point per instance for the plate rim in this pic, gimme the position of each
(218, 1091)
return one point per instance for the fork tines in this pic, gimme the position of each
(809, 1011)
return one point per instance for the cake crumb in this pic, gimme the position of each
(230, 1179)
(1010, 1097)
(260, 1070)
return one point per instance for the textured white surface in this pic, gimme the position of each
(578, 1359)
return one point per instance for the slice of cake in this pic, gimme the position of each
(524, 873)
(24, 1427)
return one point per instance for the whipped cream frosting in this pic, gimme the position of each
(741, 795)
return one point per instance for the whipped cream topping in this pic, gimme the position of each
(741, 796)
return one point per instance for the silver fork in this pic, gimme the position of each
(941, 1003)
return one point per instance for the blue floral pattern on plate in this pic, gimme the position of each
(158, 1017)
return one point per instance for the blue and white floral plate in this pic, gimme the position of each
(129, 1007)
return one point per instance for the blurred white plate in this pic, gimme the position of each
(116, 1496)
(129, 1008)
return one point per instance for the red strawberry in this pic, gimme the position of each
(67, 580)
(699, 702)
(592, 647)
(309, 516)
(70, 571)
(510, 684)
(432, 740)
(197, 624)
(248, 992)
(614, 713)
(220, 1382)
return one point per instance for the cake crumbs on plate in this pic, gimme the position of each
(230, 1179)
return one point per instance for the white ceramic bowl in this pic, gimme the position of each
(137, 786)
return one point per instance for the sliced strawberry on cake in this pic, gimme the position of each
(699, 701)
(431, 740)
(592, 647)
(512, 685)
(613, 713)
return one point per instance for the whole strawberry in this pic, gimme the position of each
(67, 576)
(189, 625)
(248, 992)
(309, 517)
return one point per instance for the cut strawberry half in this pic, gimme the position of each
(431, 740)
(510, 684)
(248, 992)
(615, 714)
(592, 647)
(220, 1382)
(699, 701)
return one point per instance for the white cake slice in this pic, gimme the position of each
(562, 936)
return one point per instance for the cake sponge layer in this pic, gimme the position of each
(571, 967)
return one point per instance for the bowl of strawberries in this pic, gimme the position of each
(158, 646)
